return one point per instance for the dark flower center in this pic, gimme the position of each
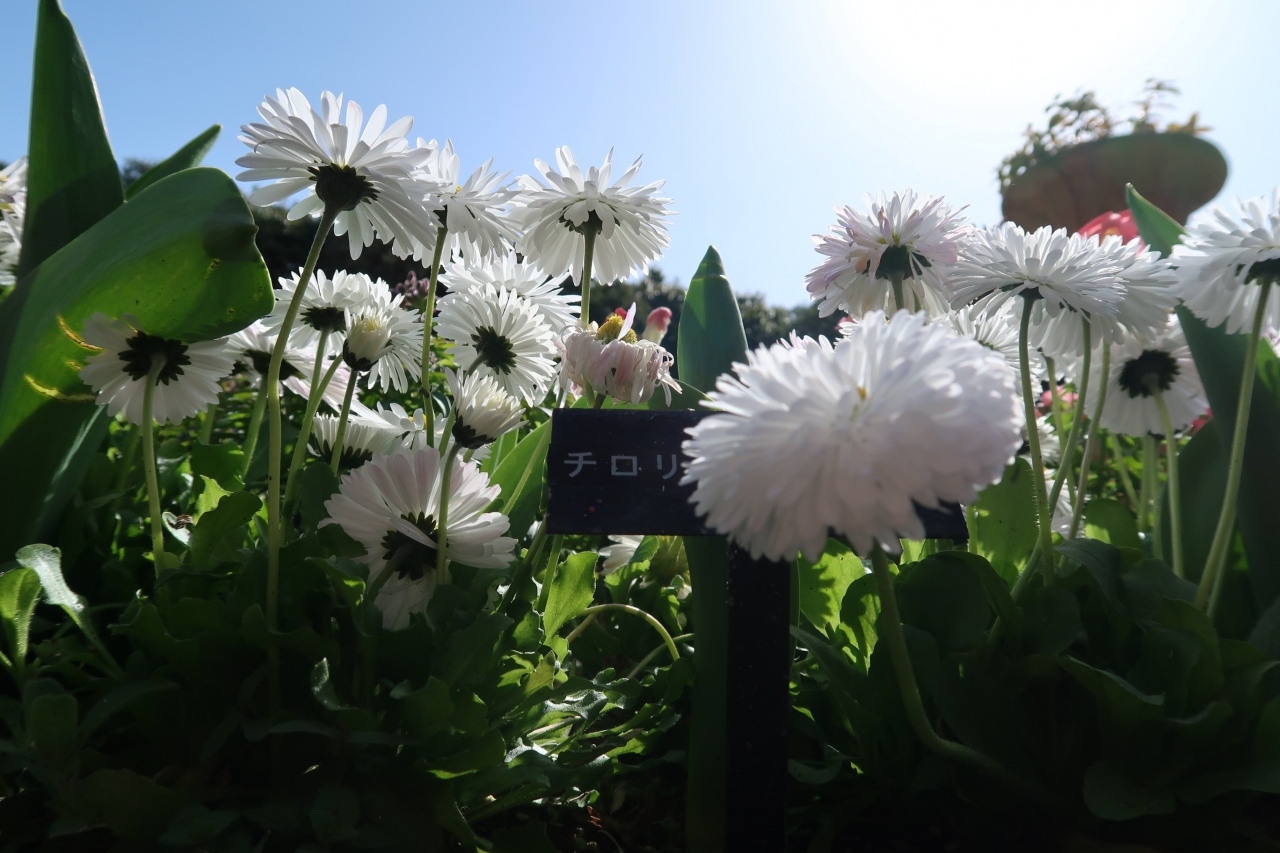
(468, 437)
(144, 349)
(494, 350)
(897, 260)
(358, 363)
(341, 187)
(1264, 271)
(1151, 370)
(593, 225)
(261, 362)
(325, 318)
(419, 558)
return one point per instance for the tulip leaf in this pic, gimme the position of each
(187, 157)
(522, 475)
(180, 257)
(1220, 359)
(711, 333)
(72, 177)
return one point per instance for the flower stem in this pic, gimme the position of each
(304, 432)
(275, 533)
(255, 427)
(126, 461)
(895, 280)
(1091, 446)
(442, 529)
(1175, 496)
(890, 625)
(645, 615)
(1067, 461)
(206, 425)
(587, 254)
(1227, 519)
(1033, 439)
(428, 318)
(1126, 481)
(342, 422)
(1151, 485)
(149, 462)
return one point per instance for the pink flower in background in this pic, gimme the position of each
(1199, 422)
(1112, 223)
(655, 325)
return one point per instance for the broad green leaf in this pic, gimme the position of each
(1219, 360)
(210, 494)
(427, 711)
(1111, 521)
(19, 592)
(316, 484)
(187, 157)
(528, 837)
(944, 596)
(859, 613)
(823, 584)
(46, 561)
(334, 814)
(522, 475)
(688, 398)
(51, 725)
(1202, 473)
(135, 807)
(711, 333)
(1004, 521)
(181, 258)
(210, 535)
(117, 700)
(469, 654)
(1111, 795)
(219, 462)
(571, 590)
(1050, 620)
(72, 177)
(487, 750)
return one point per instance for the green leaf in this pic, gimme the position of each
(688, 398)
(572, 590)
(469, 653)
(528, 837)
(1050, 620)
(488, 749)
(427, 711)
(118, 699)
(944, 596)
(181, 258)
(711, 334)
(858, 615)
(187, 157)
(1266, 633)
(316, 484)
(135, 807)
(522, 475)
(1102, 561)
(1110, 794)
(72, 177)
(1111, 521)
(210, 494)
(1121, 707)
(1219, 360)
(221, 463)
(212, 535)
(1149, 582)
(1004, 521)
(334, 814)
(46, 562)
(19, 592)
(51, 725)
(823, 584)
(1202, 470)
(303, 641)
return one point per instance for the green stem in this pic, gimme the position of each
(895, 280)
(587, 254)
(206, 425)
(524, 569)
(1059, 425)
(304, 432)
(1067, 461)
(342, 421)
(1175, 497)
(647, 659)
(890, 624)
(428, 318)
(1227, 519)
(1151, 485)
(149, 462)
(442, 529)
(255, 427)
(1091, 446)
(126, 461)
(549, 573)
(645, 615)
(275, 532)
(1126, 481)
(1033, 438)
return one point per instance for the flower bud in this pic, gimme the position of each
(368, 339)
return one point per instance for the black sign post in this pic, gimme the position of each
(619, 471)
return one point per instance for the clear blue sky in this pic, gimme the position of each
(761, 115)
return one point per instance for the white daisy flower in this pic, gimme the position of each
(323, 307)
(915, 237)
(1222, 256)
(391, 506)
(474, 212)
(557, 308)
(630, 222)
(386, 341)
(1067, 275)
(13, 211)
(619, 553)
(365, 173)
(610, 360)
(410, 429)
(995, 328)
(813, 438)
(186, 385)
(483, 411)
(1050, 445)
(362, 439)
(500, 334)
(252, 346)
(1138, 368)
